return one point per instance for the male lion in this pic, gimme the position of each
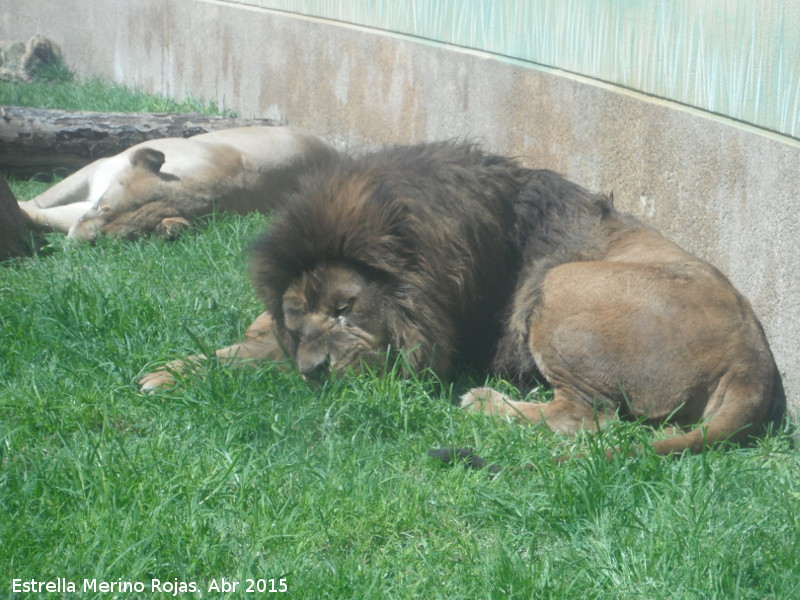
(160, 185)
(459, 257)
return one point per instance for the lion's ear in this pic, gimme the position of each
(149, 158)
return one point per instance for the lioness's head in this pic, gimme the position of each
(136, 201)
(336, 320)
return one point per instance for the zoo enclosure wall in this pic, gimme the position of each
(706, 149)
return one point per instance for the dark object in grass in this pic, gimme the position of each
(16, 237)
(451, 456)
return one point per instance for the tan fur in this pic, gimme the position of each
(462, 258)
(162, 185)
(650, 332)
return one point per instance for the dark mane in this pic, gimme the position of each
(446, 224)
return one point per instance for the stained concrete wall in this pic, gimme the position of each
(732, 57)
(725, 191)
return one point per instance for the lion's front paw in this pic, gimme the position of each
(485, 400)
(163, 377)
(155, 380)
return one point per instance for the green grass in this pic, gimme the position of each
(63, 91)
(251, 474)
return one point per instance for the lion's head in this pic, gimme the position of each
(405, 249)
(336, 318)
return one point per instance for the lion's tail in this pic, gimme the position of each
(694, 441)
(741, 414)
(746, 408)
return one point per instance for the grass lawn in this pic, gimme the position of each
(251, 475)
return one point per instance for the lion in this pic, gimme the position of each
(460, 258)
(161, 185)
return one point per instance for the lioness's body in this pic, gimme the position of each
(457, 256)
(163, 183)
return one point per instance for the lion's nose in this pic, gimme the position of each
(315, 368)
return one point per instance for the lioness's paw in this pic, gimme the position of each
(31, 212)
(171, 227)
(28, 208)
(486, 400)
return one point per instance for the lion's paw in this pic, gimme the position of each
(485, 400)
(171, 227)
(31, 211)
(163, 377)
(155, 380)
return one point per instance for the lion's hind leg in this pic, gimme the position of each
(562, 414)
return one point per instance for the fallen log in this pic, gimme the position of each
(37, 142)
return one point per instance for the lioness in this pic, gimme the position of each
(160, 185)
(460, 257)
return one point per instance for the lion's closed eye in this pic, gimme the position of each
(343, 308)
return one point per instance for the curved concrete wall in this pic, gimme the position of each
(736, 58)
(727, 192)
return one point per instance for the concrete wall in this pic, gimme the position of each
(737, 58)
(727, 192)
